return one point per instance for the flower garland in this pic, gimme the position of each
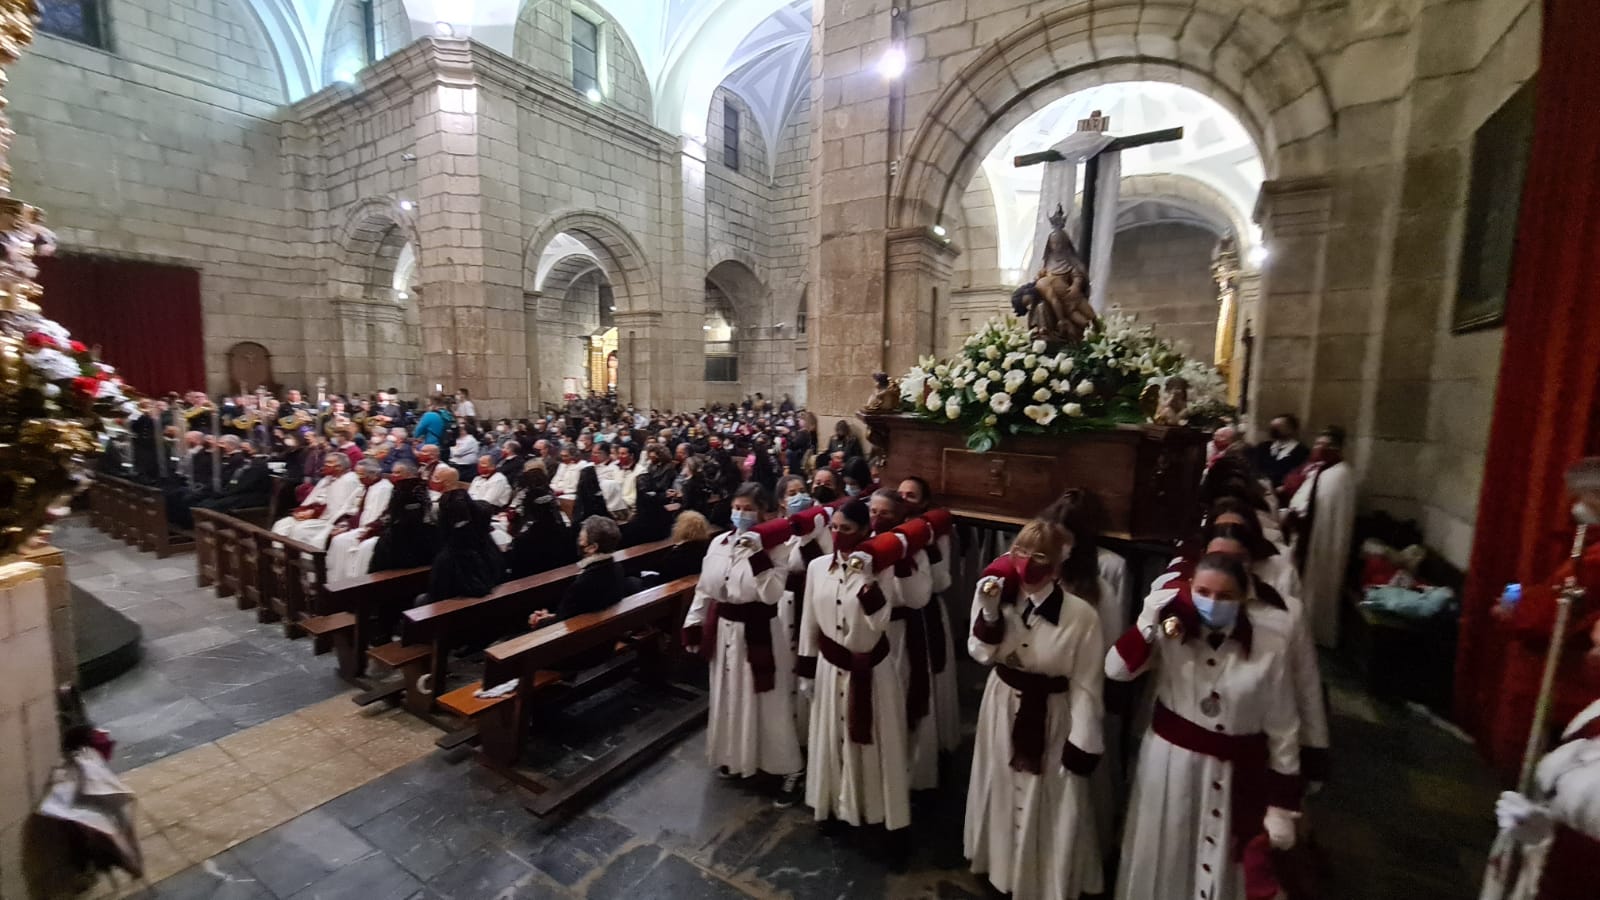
(1006, 382)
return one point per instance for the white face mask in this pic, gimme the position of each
(1583, 515)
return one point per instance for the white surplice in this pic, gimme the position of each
(1034, 835)
(494, 490)
(1328, 552)
(338, 497)
(748, 732)
(858, 783)
(1178, 841)
(348, 554)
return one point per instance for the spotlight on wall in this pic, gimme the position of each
(346, 75)
(893, 63)
(444, 29)
(407, 205)
(1257, 255)
(402, 295)
(613, 309)
(593, 94)
(938, 231)
(705, 327)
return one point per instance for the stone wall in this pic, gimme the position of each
(1162, 274)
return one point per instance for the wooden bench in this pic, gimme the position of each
(534, 659)
(137, 514)
(342, 618)
(282, 579)
(434, 629)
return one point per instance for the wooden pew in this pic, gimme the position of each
(536, 657)
(428, 633)
(282, 579)
(343, 616)
(137, 514)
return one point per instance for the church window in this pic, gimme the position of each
(75, 20)
(585, 55)
(730, 135)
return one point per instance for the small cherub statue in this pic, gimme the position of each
(885, 396)
(1174, 402)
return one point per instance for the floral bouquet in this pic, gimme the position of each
(1006, 382)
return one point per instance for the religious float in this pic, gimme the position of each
(1069, 400)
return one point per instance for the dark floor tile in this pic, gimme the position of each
(276, 695)
(220, 878)
(806, 863)
(301, 852)
(675, 877)
(560, 862)
(619, 876)
(133, 754)
(223, 669)
(598, 837)
(485, 872)
(372, 799)
(426, 834)
(372, 877)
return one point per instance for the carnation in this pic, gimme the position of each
(1000, 403)
(1015, 378)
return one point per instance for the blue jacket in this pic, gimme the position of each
(430, 428)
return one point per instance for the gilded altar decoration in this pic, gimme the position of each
(1007, 381)
(55, 397)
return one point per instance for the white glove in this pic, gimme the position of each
(989, 590)
(1280, 827)
(1528, 822)
(748, 541)
(805, 687)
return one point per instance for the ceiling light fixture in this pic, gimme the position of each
(938, 231)
(444, 29)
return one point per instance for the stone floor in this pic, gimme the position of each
(1407, 815)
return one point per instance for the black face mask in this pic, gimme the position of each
(1276, 434)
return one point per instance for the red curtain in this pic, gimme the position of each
(144, 317)
(1545, 407)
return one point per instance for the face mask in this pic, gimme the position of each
(1035, 571)
(486, 471)
(798, 503)
(880, 525)
(1216, 613)
(836, 464)
(851, 490)
(1583, 515)
(845, 543)
(743, 520)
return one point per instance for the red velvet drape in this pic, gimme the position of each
(145, 317)
(1545, 407)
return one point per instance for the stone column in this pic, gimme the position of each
(919, 267)
(1294, 217)
(470, 267)
(640, 338)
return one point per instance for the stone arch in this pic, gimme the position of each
(619, 255)
(566, 272)
(1239, 57)
(376, 323)
(736, 293)
(1203, 202)
(368, 249)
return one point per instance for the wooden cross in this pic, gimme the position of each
(1091, 166)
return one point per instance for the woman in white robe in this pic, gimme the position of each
(1030, 819)
(734, 619)
(1218, 771)
(856, 765)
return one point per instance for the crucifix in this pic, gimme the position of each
(1099, 153)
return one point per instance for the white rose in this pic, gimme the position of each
(1064, 365)
(992, 352)
(1038, 346)
(1047, 414)
(983, 367)
(935, 402)
(1041, 395)
(941, 371)
(1030, 361)
(1058, 386)
(982, 392)
(1014, 379)
(952, 409)
(1085, 388)
(1031, 412)
(1041, 375)
(1000, 403)
(1073, 410)
(994, 375)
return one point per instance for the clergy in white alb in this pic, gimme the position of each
(1217, 784)
(346, 558)
(857, 758)
(1323, 513)
(733, 620)
(333, 498)
(1030, 818)
(490, 487)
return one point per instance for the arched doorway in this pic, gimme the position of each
(377, 324)
(741, 350)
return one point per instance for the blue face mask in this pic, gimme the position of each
(743, 520)
(851, 490)
(799, 502)
(1215, 613)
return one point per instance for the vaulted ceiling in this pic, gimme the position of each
(687, 47)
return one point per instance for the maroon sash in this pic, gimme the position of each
(917, 690)
(934, 613)
(757, 639)
(1027, 730)
(859, 666)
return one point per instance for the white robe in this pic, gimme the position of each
(349, 555)
(1034, 835)
(565, 481)
(746, 731)
(494, 490)
(1178, 839)
(339, 497)
(914, 592)
(1328, 552)
(858, 783)
(946, 693)
(789, 614)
